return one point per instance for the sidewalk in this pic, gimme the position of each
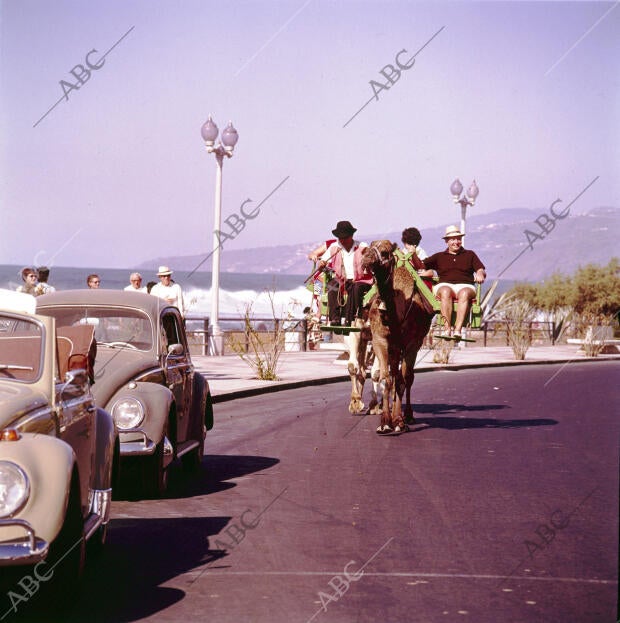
(229, 377)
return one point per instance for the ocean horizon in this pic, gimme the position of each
(237, 290)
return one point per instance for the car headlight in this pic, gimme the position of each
(14, 488)
(128, 413)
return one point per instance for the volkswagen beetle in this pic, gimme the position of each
(57, 451)
(144, 377)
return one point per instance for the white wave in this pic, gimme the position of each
(285, 303)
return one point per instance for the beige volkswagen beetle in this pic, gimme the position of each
(58, 452)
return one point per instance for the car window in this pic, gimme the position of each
(113, 326)
(170, 326)
(21, 348)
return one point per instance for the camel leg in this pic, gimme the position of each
(356, 367)
(408, 374)
(378, 385)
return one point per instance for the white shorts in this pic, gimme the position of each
(455, 287)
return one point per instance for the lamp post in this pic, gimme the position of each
(472, 192)
(225, 147)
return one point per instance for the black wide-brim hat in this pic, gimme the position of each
(344, 229)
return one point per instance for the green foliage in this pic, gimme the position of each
(592, 293)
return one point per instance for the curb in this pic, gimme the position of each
(270, 389)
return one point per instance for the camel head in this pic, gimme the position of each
(380, 253)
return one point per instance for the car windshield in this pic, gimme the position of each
(21, 348)
(115, 327)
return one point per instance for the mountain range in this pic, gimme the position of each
(513, 243)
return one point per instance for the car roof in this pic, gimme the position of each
(148, 303)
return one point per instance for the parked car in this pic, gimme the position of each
(144, 376)
(57, 451)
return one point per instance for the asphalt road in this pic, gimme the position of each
(500, 506)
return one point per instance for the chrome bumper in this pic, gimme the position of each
(144, 446)
(26, 551)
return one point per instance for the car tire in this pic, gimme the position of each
(155, 475)
(193, 460)
(67, 556)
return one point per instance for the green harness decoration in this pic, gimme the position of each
(404, 259)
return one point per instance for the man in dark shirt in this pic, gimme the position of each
(458, 269)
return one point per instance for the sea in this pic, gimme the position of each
(237, 290)
(287, 293)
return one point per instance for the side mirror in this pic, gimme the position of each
(77, 377)
(175, 349)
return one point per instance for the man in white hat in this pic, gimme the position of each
(167, 290)
(458, 269)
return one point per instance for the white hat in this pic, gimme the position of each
(452, 231)
(164, 270)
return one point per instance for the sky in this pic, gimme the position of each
(109, 169)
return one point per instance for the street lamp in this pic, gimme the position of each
(225, 147)
(472, 192)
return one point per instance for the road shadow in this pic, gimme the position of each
(445, 407)
(212, 476)
(462, 423)
(124, 582)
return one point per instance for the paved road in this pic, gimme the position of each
(500, 506)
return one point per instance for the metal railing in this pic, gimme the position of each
(197, 329)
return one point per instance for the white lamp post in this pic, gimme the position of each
(472, 192)
(225, 147)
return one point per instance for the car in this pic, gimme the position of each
(144, 376)
(58, 451)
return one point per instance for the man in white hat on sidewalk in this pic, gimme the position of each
(458, 269)
(168, 290)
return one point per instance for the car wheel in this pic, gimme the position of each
(67, 555)
(193, 460)
(155, 477)
(97, 540)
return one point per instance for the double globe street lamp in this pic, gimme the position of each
(465, 200)
(225, 147)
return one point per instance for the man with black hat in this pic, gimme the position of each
(345, 259)
(458, 269)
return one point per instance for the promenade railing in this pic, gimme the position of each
(293, 332)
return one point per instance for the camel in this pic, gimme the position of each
(398, 327)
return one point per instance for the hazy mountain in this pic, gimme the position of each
(499, 238)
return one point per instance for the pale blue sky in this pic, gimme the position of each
(119, 174)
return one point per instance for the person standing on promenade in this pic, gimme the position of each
(345, 258)
(458, 269)
(135, 283)
(168, 290)
(29, 277)
(43, 287)
(93, 281)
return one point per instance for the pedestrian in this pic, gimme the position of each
(168, 290)
(135, 283)
(29, 277)
(93, 281)
(43, 287)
